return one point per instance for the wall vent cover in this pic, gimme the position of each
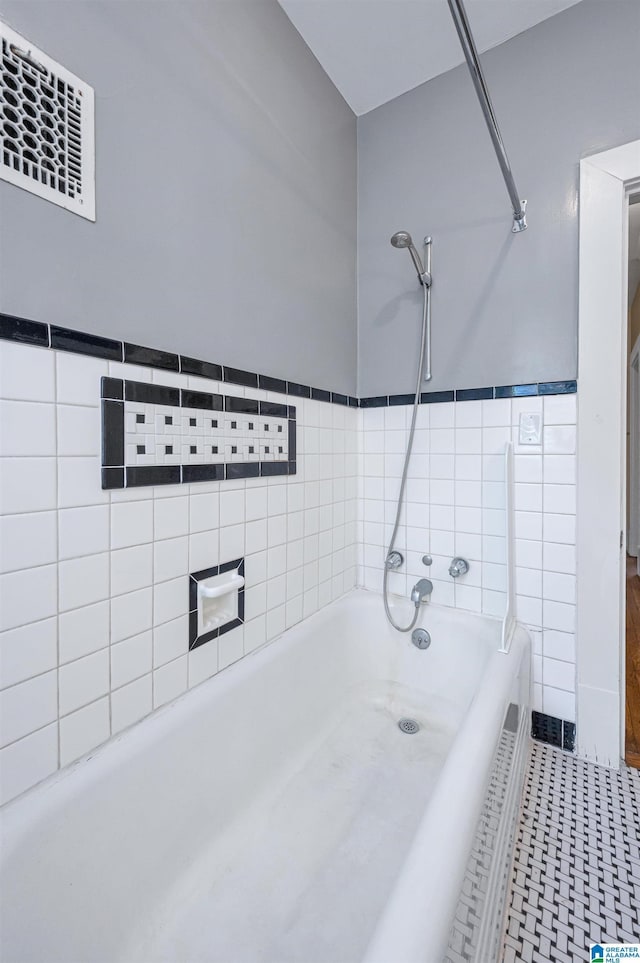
(47, 139)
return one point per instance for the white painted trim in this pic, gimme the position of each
(606, 180)
(633, 537)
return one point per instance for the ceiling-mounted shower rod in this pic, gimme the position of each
(471, 56)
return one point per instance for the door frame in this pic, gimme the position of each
(633, 536)
(606, 181)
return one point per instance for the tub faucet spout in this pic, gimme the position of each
(420, 590)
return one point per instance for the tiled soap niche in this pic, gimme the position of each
(105, 640)
(453, 507)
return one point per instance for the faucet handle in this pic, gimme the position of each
(459, 566)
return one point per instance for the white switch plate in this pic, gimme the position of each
(530, 430)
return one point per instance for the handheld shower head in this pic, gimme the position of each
(402, 239)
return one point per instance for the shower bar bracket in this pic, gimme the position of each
(468, 45)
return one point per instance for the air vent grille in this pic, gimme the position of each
(47, 128)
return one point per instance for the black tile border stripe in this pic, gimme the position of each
(27, 332)
(151, 357)
(553, 731)
(64, 339)
(45, 335)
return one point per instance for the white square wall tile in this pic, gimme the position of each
(26, 373)
(559, 528)
(528, 498)
(82, 581)
(559, 440)
(468, 441)
(559, 703)
(170, 559)
(132, 523)
(27, 762)
(28, 651)
(83, 531)
(528, 525)
(559, 615)
(83, 631)
(131, 659)
(560, 409)
(131, 569)
(529, 582)
(232, 540)
(559, 645)
(230, 647)
(171, 517)
(79, 482)
(21, 603)
(204, 550)
(560, 469)
(496, 412)
(170, 600)
(131, 614)
(131, 703)
(527, 468)
(79, 431)
(559, 587)
(529, 610)
(170, 640)
(468, 414)
(28, 540)
(255, 633)
(560, 499)
(27, 485)
(559, 558)
(83, 681)
(204, 512)
(27, 428)
(27, 707)
(202, 662)
(169, 681)
(78, 378)
(442, 415)
(82, 731)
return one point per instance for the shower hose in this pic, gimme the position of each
(416, 401)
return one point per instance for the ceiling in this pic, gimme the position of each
(375, 50)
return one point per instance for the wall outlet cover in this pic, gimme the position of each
(530, 428)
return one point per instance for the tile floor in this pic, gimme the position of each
(576, 875)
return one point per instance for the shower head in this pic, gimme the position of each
(402, 239)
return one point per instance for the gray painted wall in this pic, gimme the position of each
(504, 307)
(226, 190)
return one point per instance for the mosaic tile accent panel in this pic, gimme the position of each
(576, 873)
(155, 435)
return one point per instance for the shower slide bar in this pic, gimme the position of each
(473, 62)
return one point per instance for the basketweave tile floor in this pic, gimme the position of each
(576, 873)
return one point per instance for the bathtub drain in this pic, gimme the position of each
(409, 725)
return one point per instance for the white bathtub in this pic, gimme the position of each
(277, 812)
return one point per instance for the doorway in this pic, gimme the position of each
(607, 181)
(632, 579)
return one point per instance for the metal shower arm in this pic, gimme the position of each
(473, 62)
